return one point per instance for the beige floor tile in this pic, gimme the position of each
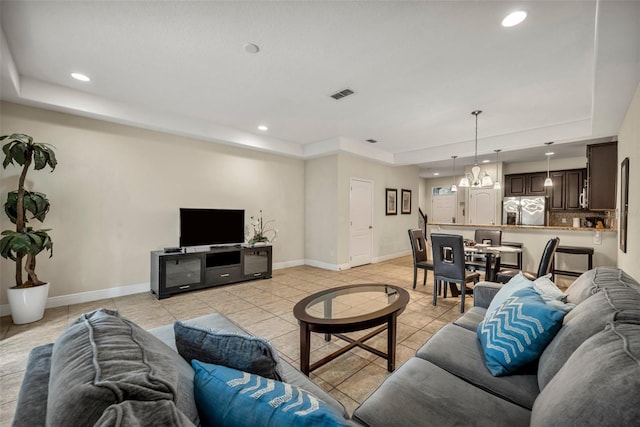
(349, 404)
(10, 386)
(338, 370)
(403, 353)
(251, 316)
(14, 362)
(272, 328)
(230, 306)
(360, 385)
(417, 340)
(416, 319)
(7, 411)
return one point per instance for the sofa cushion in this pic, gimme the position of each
(229, 397)
(420, 393)
(586, 320)
(458, 351)
(103, 359)
(592, 281)
(598, 386)
(471, 317)
(517, 332)
(234, 350)
(548, 290)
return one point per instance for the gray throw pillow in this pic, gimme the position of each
(238, 351)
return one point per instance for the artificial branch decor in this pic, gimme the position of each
(25, 241)
(261, 231)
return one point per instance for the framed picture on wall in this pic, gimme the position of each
(392, 201)
(624, 203)
(406, 201)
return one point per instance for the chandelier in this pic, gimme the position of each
(476, 178)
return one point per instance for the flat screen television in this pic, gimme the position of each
(200, 227)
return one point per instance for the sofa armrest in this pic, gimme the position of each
(31, 409)
(483, 293)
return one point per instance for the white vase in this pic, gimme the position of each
(27, 304)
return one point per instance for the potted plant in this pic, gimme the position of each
(262, 234)
(28, 298)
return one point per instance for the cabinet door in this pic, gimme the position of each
(602, 167)
(557, 191)
(535, 184)
(514, 185)
(573, 185)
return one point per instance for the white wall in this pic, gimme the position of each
(321, 212)
(116, 192)
(629, 146)
(541, 166)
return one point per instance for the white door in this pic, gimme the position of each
(360, 222)
(482, 206)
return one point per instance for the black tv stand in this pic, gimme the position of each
(174, 273)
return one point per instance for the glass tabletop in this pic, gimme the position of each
(351, 301)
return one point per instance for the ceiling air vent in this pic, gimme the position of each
(373, 141)
(343, 93)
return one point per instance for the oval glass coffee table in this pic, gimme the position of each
(347, 309)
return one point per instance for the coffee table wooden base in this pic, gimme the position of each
(305, 346)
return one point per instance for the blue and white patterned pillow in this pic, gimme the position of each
(518, 331)
(228, 397)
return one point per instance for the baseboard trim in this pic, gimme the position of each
(89, 296)
(391, 256)
(287, 264)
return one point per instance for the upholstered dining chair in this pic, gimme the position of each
(420, 255)
(493, 238)
(545, 266)
(448, 265)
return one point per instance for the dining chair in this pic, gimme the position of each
(545, 266)
(493, 238)
(420, 255)
(448, 265)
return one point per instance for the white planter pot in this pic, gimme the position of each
(27, 304)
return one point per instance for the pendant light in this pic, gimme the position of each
(476, 178)
(453, 187)
(548, 182)
(496, 185)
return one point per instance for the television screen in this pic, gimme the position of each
(211, 226)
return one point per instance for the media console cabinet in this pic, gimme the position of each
(174, 273)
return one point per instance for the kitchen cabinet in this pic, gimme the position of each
(602, 169)
(566, 189)
(514, 185)
(525, 184)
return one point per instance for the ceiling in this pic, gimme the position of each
(566, 74)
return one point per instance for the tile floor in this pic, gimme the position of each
(264, 308)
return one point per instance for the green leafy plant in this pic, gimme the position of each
(261, 230)
(25, 241)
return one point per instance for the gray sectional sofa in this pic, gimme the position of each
(588, 375)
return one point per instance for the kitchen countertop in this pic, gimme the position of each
(520, 227)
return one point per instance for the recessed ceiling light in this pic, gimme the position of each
(263, 128)
(486, 161)
(251, 48)
(436, 174)
(514, 18)
(81, 77)
(549, 153)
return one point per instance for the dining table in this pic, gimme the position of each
(491, 254)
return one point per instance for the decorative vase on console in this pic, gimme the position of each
(263, 231)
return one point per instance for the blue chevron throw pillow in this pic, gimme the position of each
(228, 397)
(518, 331)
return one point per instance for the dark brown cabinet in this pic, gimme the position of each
(535, 184)
(566, 189)
(514, 185)
(602, 169)
(525, 184)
